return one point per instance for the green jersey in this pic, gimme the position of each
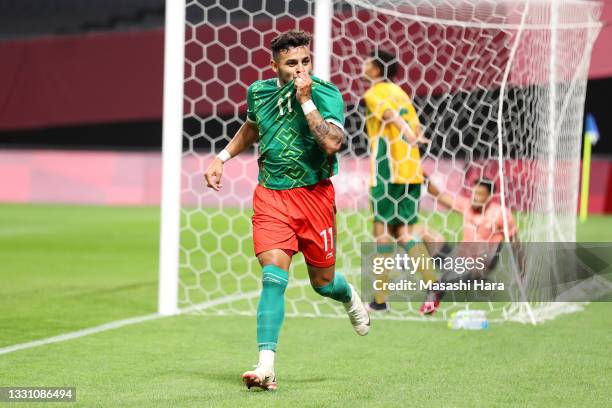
(289, 155)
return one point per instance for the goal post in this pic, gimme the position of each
(172, 141)
(322, 38)
(499, 88)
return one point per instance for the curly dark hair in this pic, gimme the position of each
(289, 39)
(385, 62)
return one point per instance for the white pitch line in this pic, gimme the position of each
(79, 333)
(122, 323)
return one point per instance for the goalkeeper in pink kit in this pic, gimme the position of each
(483, 231)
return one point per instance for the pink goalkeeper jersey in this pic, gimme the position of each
(487, 226)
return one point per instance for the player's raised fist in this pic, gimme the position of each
(303, 87)
(213, 174)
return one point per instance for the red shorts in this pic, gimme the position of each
(299, 219)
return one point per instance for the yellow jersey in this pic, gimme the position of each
(392, 158)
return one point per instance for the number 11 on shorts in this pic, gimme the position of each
(325, 233)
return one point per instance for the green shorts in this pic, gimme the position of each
(395, 203)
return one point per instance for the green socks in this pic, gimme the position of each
(271, 308)
(338, 289)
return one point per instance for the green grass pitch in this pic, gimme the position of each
(65, 268)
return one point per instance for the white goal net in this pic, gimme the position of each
(499, 89)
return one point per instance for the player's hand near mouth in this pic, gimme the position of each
(303, 86)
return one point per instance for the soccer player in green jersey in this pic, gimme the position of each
(298, 121)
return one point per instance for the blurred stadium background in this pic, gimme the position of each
(82, 81)
(80, 141)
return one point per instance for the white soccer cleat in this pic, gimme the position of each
(357, 313)
(259, 377)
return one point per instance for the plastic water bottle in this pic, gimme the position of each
(469, 320)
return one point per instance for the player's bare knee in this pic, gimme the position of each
(322, 286)
(406, 238)
(403, 240)
(321, 281)
(275, 257)
(320, 277)
(383, 239)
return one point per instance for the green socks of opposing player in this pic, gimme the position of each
(271, 309)
(338, 289)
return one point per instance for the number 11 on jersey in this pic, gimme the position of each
(280, 104)
(325, 233)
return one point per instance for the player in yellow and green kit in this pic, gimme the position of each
(298, 121)
(394, 132)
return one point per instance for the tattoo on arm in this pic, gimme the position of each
(324, 133)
